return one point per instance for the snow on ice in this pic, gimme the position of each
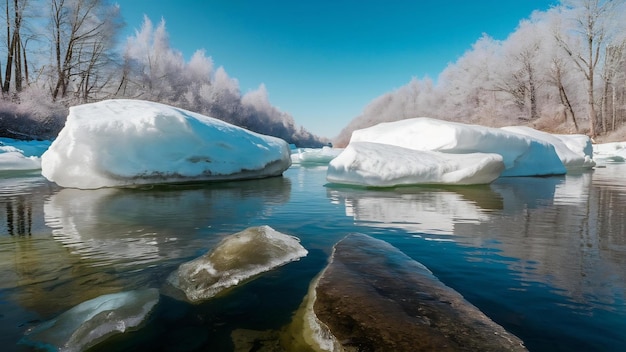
(314, 155)
(612, 152)
(21, 155)
(429, 151)
(238, 257)
(128, 142)
(383, 165)
(93, 321)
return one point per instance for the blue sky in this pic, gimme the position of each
(323, 61)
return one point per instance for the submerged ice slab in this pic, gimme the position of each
(384, 165)
(93, 321)
(238, 257)
(522, 155)
(374, 296)
(128, 142)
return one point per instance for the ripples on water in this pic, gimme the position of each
(545, 257)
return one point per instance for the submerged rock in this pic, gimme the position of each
(238, 257)
(94, 321)
(372, 297)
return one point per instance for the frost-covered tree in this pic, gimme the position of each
(587, 28)
(532, 77)
(155, 71)
(82, 39)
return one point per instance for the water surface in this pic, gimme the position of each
(545, 257)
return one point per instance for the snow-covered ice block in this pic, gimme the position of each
(129, 142)
(574, 151)
(93, 321)
(613, 151)
(21, 155)
(314, 155)
(384, 165)
(238, 257)
(522, 155)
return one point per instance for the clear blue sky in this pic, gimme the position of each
(323, 61)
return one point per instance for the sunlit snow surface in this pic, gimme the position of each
(93, 321)
(575, 151)
(314, 155)
(383, 165)
(610, 152)
(238, 257)
(21, 155)
(429, 151)
(128, 142)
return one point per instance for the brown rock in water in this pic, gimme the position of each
(372, 297)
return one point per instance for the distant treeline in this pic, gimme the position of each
(562, 70)
(58, 53)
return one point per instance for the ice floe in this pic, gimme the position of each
(314, 155)
(129, 142)
(21, 155)
(238, 257)
(384, 165)
(93, 321)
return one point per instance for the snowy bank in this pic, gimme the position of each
(129, 142)
(21, 155)
(94, 321)
(383, 165)
(522, 155)
(237, 258)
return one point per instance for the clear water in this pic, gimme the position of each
(544, 257)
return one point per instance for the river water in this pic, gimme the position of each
(544, 257)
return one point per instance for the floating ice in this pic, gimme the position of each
(128, 142)
(574, 151)
(314, 155)
(614, 151)
(21, 155)
(383, 165)
(93, 321)
(522, 155)
(237, 258)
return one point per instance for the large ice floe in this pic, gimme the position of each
(384, 165)
(94, 321)
(21, 155)
(128, 142)
(237, 258)
(429, 151)
(373, 296)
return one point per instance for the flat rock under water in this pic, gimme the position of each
(373, 297)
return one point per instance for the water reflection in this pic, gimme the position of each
(417, 210)
(565, 232)
(141, 226)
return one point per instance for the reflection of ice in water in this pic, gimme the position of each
(75, 220)
(574, 189)
(138, 226)
(433, 212)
